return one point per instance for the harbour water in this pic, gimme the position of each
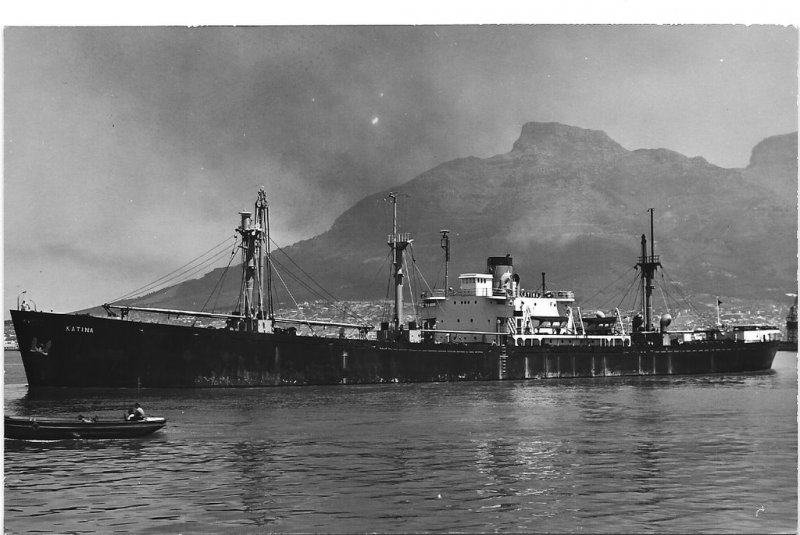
(712, 454)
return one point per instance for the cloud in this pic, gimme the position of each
(142, 142)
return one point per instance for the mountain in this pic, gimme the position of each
(573, 203)
(773, 165)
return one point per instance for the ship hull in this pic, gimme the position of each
(65, 350)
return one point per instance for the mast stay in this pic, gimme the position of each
(251, 313)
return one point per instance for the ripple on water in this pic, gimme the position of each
(625, 455)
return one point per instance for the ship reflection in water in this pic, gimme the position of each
(667, 454)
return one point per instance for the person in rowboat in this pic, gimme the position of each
(136, 413)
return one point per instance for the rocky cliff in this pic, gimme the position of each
(573, 203)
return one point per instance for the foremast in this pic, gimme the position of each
(648, 266)
(251, 314)
(254, 232)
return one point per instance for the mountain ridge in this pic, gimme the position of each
(570, 202)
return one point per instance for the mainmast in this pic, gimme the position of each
(648, 264)
(397, 242)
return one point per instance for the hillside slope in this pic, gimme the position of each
(573, 203)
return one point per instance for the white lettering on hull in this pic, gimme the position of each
(79, 329)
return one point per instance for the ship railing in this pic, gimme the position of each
(400, 237)
(650, 259)
(453, 331)
(550, 294)
(502, 292)
(472, 293)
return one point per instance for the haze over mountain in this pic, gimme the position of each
(573, 203)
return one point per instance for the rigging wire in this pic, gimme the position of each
(386, 314)
(410, 284)
(602, 290)
(313, 291)
(417, 270)
(330, 296)
(322, 293)
(293, 299)
(181, 277)
(439, 276)
(175, 273)
(218, 287)
(686, 301)
(310, 289)
(180, 271)
(382, 267)
(199, 269)
(664, 297)
(319, 292)
(203, 260)
(633, 307)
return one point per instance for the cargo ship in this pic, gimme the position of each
(489, 328)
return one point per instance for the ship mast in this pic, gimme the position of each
(648, 264)
(262, 208)
(397, 242)
(253, 237)
(446, 246)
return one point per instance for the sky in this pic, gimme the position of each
(130, 150)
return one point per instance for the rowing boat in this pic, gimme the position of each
(34, 428)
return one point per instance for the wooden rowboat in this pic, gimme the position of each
(34, 428)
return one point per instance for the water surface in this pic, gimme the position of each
(714, 454)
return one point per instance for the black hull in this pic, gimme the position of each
(64, 350)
